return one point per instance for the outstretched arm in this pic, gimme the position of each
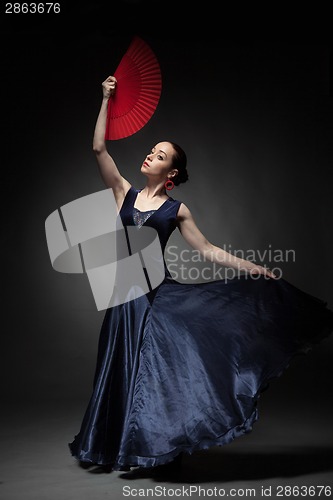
(194, 237)
(107, 166)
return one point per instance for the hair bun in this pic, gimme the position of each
(181, 177)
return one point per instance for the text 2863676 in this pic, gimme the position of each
(32, 8)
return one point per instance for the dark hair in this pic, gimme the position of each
(179, 161)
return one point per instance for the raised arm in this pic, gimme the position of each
(107, 166)
(194, 237)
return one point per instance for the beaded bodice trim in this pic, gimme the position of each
(141, 217)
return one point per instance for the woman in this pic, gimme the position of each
(181, 368)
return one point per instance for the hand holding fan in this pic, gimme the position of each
(139, 86)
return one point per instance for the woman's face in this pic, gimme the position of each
(158, 162)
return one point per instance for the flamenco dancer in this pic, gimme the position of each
(182, 368)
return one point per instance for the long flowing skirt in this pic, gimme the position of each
(182, 368)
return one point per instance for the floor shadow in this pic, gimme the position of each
(215, 466)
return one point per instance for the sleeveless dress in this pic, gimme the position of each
(181, 368)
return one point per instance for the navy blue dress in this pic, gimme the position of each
(181, 368)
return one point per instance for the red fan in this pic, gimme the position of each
(138, 91)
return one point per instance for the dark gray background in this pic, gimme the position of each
(255, 118)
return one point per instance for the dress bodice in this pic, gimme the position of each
(163, 220)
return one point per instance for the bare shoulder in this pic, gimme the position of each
(121, 192)
(126, 185)
(183, 212)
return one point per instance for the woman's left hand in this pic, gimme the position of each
(263, 270)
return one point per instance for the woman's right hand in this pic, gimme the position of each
(109, 86)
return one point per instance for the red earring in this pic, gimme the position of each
(169, 184)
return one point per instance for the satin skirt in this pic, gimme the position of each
(182, 369)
